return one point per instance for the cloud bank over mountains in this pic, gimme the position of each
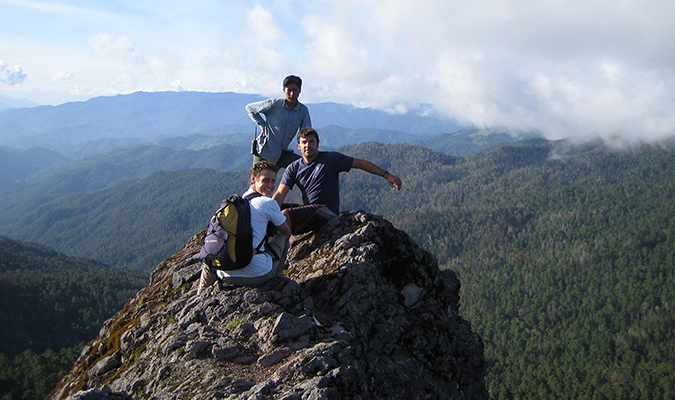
(570, 69)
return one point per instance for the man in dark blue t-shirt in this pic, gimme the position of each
(317, 176)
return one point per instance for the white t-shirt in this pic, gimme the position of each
(263, 210)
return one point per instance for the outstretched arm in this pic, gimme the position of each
(393, 180)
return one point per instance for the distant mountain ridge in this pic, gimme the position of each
(157, 212)
(134, 223)
(17, 165)
(113, 187)
(102, 170)
(149, 115)
(8, 102)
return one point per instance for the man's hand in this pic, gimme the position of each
(394, 181)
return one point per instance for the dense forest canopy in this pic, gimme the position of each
(51, 305)
(135, 224)
(566, 259)
(564, 252)
(51, 301)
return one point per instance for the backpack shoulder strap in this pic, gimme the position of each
(251, 196)
(264, 240)
(224, 203)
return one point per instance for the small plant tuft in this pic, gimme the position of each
(235, 323)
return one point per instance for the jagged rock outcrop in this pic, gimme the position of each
(363, 313)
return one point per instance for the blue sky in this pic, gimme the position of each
(569, 68)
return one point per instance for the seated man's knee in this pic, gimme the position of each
(279, 244)
(288, 218)
(309, 217)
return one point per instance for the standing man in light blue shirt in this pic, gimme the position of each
(282, 120)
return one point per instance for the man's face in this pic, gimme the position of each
(309, 147)
(264, 183)
(292, 91)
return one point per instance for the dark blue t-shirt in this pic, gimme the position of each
(319, 181)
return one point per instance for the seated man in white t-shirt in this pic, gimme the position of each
(264, 209)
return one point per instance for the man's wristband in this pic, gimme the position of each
(385, 173)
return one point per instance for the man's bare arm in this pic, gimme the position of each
(280, 194)
(284, 228)
(393, 180)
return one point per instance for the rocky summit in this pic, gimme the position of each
(361, 313)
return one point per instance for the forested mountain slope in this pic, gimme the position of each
(564, 252)
(104, 169)
(49, 300)
(16, 165)
(51, 304)
(26, 174)
(566, 259)
(136, 223)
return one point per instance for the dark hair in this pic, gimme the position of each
(307, 132)
(260, 166)
(292, 79)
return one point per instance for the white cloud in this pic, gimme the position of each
(461, 89)
(262, 34)
(124, 83)
(61, 76)
(11, 76)
(569, 69)
(163, 63)
(333, 53)
(572, 68)
(177, 85)
(264, 28)
(113, 45)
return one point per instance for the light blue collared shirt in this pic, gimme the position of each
(280, 123)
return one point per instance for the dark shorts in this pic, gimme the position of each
(307, 218)
(285, 159)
